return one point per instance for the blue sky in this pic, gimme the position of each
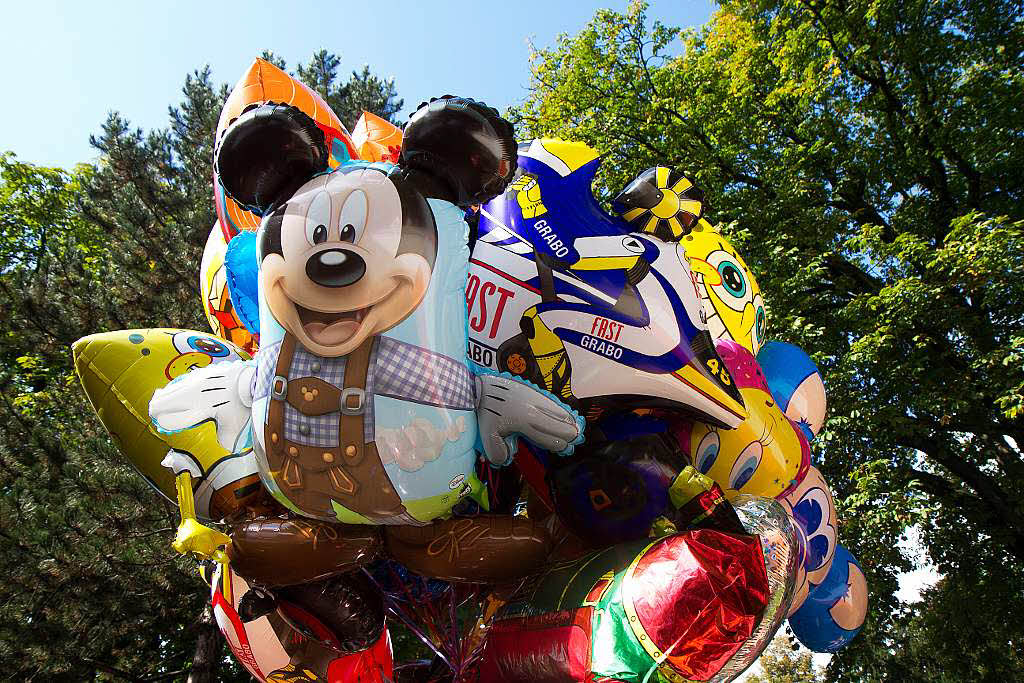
(69, 63)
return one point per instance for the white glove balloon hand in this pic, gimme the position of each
(506, 407)
(221, 392)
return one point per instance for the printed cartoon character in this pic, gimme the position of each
(361, 278)
(766, 455)
(732, 298)
(563, 294)
(119, 372)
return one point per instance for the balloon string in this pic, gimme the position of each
(393, 607)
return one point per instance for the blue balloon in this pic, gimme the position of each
(795, 384)
(241, 263)
(834, 610)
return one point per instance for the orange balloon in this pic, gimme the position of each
(263, 82)
(377, 139)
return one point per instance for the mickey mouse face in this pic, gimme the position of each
(333, 269)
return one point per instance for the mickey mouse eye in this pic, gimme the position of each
(707, 452)
(745, 466)
(353, 216)
(318, 217)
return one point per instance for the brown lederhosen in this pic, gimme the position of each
(351, 472)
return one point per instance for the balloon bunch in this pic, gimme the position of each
(548, 449)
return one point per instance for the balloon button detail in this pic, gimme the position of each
(328, 457)
(350, 450)
(274, 437)
(315, 367)
(293, 451)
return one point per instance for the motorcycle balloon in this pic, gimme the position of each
(835, 609)
(566, 296)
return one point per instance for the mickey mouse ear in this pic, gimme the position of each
(267, 153)
(463, 143)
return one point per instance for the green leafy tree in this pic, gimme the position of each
(867, 158)
(363, 91)
(91, 589)
(780, 664)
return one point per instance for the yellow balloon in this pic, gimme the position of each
(730, 294)
(120, 371)
(765, 455)
(213, 286)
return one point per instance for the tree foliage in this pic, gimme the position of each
(780, 664)
(867, 156)
(91, 590)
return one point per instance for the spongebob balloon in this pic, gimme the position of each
(121, 370)
(730, 294)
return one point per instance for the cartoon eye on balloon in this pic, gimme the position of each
(196, 351)
(746, 464)
(707, 451)
(733, 299)
(812, 513)
(732, 286)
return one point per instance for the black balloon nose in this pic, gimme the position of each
(335, 268)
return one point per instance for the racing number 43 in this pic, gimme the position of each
(717, 369)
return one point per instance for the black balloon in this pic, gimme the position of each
(267, 153)
(464, 143)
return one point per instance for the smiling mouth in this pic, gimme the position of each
(330, 329)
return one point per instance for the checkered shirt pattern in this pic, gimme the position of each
(266, 362)
(322, 430)
(415, 374)
(397, 370)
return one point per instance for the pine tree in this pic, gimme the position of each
(92, 590)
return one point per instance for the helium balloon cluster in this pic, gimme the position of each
(562, 422)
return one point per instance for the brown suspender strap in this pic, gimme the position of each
(350, 426)
(274, 435)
